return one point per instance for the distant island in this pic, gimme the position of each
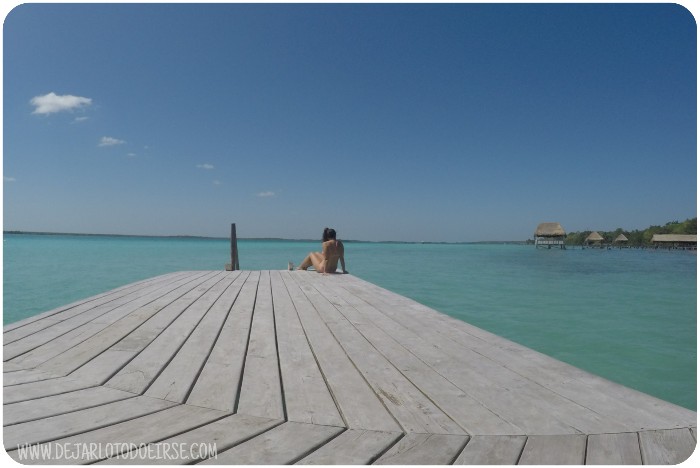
(272, 239)
(637, 238)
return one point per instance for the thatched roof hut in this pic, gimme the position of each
(675, 238)
(621, 238)
(550, 234)
(549, 230)
(594, 238)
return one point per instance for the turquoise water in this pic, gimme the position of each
(627, 315)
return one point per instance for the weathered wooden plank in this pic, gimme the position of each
(26, 376)
(261, 389)
(105, 365)
(140, 372)
(64, 425)
(357, 402)
(492, 450)
(43, 388)
(52, 348)
(282, 445)
(666, 447)
(566, 449)
(410, 407)
(307, 397)
(611, 402)
(218, 383)
(398, 345)
(199, 443)
(520, 401)
(424, 449)
(8, 367)
(147, 307)
(352, 447)
(119, 438)
(176, 380)
(71, 326)
(613, 449)
(60, 313)
(14, 413)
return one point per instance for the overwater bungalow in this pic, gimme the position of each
(594, 240)
(621, 240)
(675, 241)
(550, 234)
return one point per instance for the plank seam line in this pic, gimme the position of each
(459, 452)
(33, 381)
(371, 389)
(388, 360)
(134, 329)
(108, 325)
(84, 431)
(317, 446)
(585, 449)
(381, 453)
(71, 411)
(218, 334)
(87, 301)
(88, 385)
(237, 397)
(313, 353)
(175, 353)
(277, 349)
(522, 450)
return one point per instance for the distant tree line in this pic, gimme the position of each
(637, 238)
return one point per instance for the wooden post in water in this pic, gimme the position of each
(234, 251)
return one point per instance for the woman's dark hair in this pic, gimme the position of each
(325, 234)
(331, 234)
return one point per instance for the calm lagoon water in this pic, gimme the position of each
(627, 315)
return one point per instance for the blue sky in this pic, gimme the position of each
(454, 122)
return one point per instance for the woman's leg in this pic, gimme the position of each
(314, 258)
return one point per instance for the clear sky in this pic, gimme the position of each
(455, 122)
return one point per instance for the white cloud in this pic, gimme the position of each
(80, 119)
(51, 103)
(9, 179)
(266, 194)
(131, 155)
(109, 141)
(205, 166)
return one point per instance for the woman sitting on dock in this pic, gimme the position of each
(326, 261)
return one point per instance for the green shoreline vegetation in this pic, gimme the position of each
(637, 238)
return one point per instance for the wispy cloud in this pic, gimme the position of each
(9, 179)
(266, 194)
(206, 166)
(216, 182)
(52, 103)
(80, 119)
(130, 155)
(109, 141)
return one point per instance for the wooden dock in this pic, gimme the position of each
(277, 367)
